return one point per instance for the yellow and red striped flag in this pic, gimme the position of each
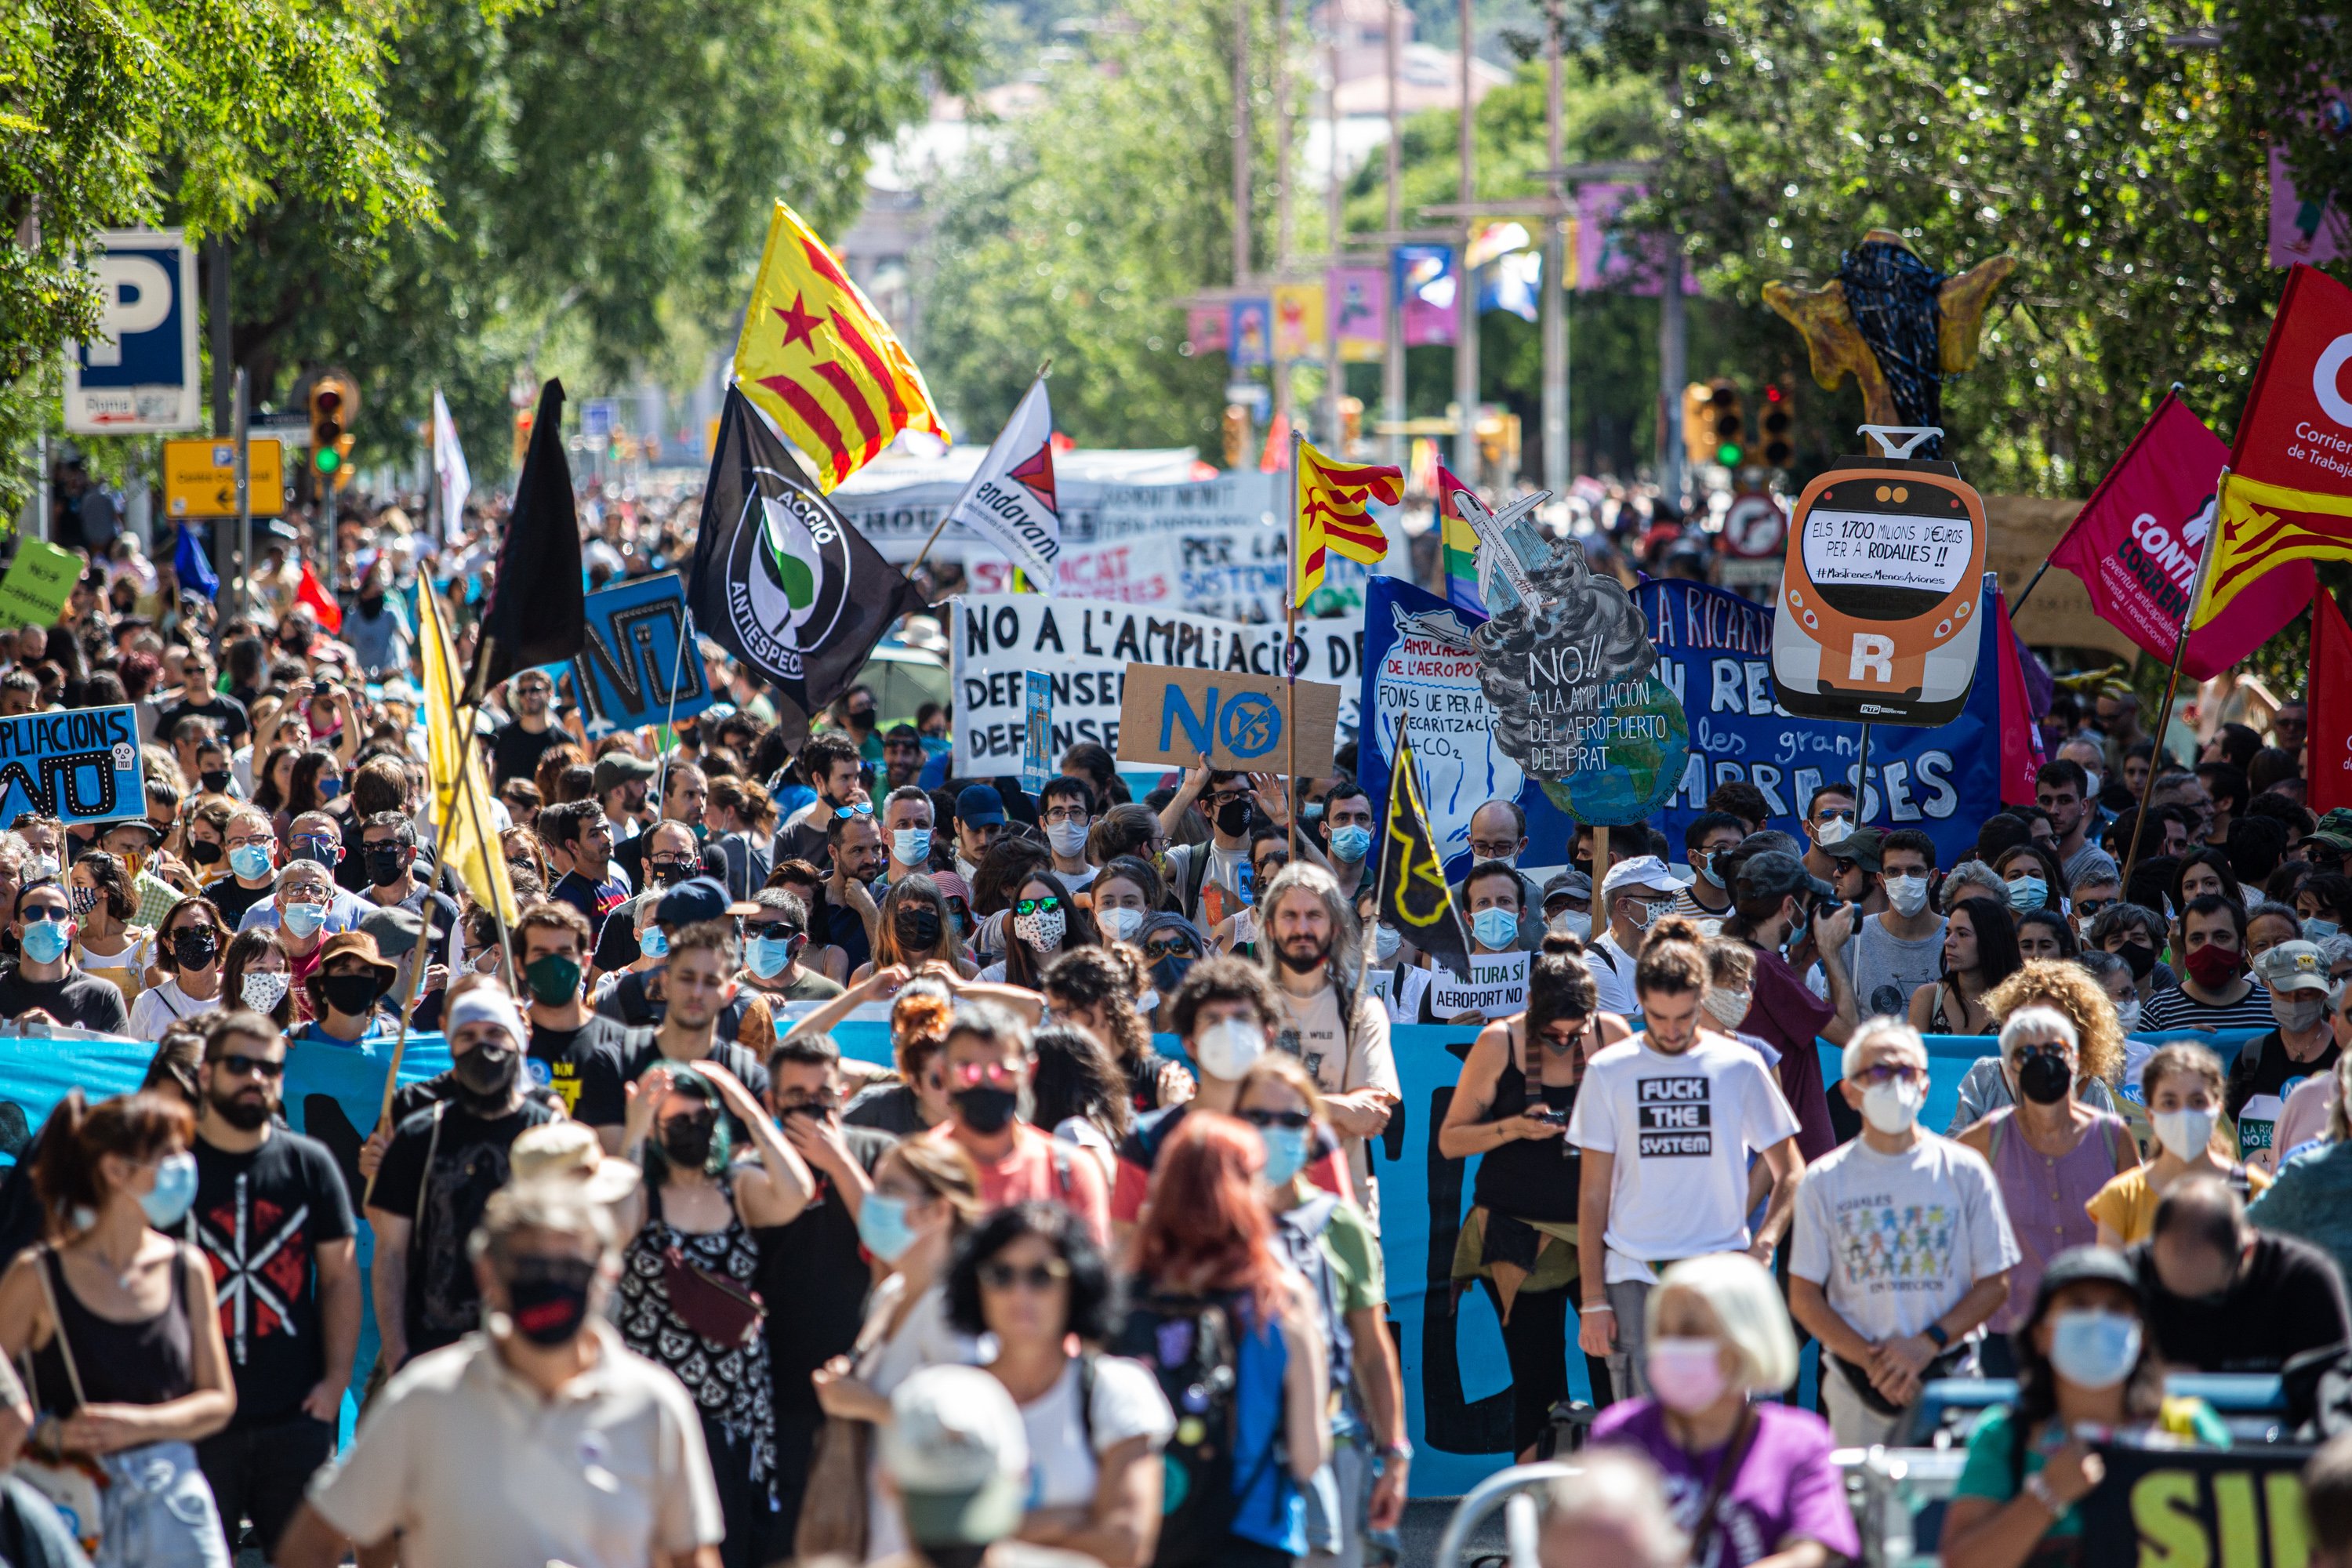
(1334, 501)
(2257, 526)
(816, 356)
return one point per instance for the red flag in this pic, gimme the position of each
(2296, 430)
(1275, 458)
(322, 604)
(2330, 767)
(2020, 738)
(2136, 542)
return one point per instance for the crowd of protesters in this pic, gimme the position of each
(658, 1273)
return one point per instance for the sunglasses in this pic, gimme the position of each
(848, 811)
(998, 1276)
(45, 913)
(1181, 947)
(1560, 1045)
(971, 1074)
(1044, 906)
(236, 1063)
(1262, 1119)
(769, 928)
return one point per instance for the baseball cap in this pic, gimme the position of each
(393, 931)
(1865, 846)
(980, 805)
(1643, 871)
(2078, 1265)
(568, 1151)
(614, 769)
(1569, 884)
(2294, 966)
(1772, 873)
(958, 1455)
(696, 900)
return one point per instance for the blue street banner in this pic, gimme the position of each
(81, 765)
(637, 668)
(1038, 740)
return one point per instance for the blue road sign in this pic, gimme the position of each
(141, 377)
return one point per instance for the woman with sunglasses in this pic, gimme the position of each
(1032, 1278)
(1044, 923)
(1511, 1108)
(189, 947)
(1171, 946)
(257, 973)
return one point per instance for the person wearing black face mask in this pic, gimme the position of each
(1226, 800)
(439, 1170)
(388, 852)
(986, 1062)
(438, 1460)
(188, 948)
(684, 1299)
(351, 978)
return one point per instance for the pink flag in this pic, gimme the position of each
(2330, 767)
(2021, 737)
(2137, 542)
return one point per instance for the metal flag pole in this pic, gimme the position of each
(2171, 689)
(1862, 779)
(670, 719)
(1290, 664)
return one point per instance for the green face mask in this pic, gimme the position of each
(553, 979)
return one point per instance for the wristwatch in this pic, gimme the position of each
(1935, 1332)
(1399, 1449)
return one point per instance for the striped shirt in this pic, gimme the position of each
(2175, 1009)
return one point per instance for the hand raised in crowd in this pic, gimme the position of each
(1272, 794)
(1176, 1086)
(883, 982)
(644, 1099)
(819, 1140)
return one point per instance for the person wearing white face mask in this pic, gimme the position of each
(1893, 952)
(2272, 1066)
(1567, 905)
(909, 819)
(1066, 810)
(1490, 894)
(1830, 821)
(1895, 1309)
(2181, 1085)
(1636, 893)
(2085, 1361)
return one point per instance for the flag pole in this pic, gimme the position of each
(2171, 689)
(1290, 664)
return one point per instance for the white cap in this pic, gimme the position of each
(956, 1452)
(1643, 871)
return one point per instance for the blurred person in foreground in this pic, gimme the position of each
(1611, 1513)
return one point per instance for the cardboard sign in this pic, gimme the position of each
(635, 670)
(2240, 1506)
(1881, 594)
(78, 766)
(1497, 987)
(1037, 746)
(1172, 717)
(39, 582)
(200, 478)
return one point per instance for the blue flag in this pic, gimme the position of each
(188, 561)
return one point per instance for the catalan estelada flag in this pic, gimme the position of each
(1334, 502)
(2257, 526)
(1459, 544)
(816, 356)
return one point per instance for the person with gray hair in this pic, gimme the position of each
(2220, 1295)
(1312, 950)
(987, 1063)
(1610, 1512)
(614, 1472)
(1970, 879)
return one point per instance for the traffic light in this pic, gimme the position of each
(1699, 440)
(1237, 435)
(522, 436)
(330, 441)
(1726, 425)
(1776, 428)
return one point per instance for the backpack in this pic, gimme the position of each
(1300, 1232)
(1192, 1346)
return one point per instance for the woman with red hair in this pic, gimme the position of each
(1231, 1331)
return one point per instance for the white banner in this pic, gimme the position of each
(1497, 987)
(1085, 645)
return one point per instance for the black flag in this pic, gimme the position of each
(1412, 894)
(537, 613)
(780, 579)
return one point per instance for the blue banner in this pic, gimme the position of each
(81, 765)
(639, 667)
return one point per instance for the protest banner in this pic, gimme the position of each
(1085, 646)
(1178, 718)
(39, 582)
(2240, 1506)
(639, 667)
(80, 765)
(1715, 654)
(1037, 741)
(1496, 987)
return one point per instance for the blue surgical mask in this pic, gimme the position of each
(46, 940)
(2094, 1349)
(767, 955)
(168, 1201)
(330, 788)
(910, 845)
(1705, 866)
(2317, 930)
(304, 919)
(1494, 928)
(882, 1227)
(2028, 893)
(250, 861)
(1285, 1152)
(654, 943)
(1351, 842)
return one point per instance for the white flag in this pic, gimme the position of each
(449, 470)
(1010, 500)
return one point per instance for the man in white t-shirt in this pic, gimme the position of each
(1635, 894)
(1667, 1121)
(1314, 957)
(1902, 1247)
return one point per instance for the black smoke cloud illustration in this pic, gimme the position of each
(1571, 606)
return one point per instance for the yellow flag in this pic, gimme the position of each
(461, 801)
(2257, 526)
(816, 354)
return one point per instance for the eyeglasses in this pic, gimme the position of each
(247, 840)
(1291, 1118)
(996, 1276)
(1062, 814)
(669, 864)
(1890, 1073)
(1494, 849)
(1834, 812)
(1044, 906)
(236, 1063)
(2089, 908)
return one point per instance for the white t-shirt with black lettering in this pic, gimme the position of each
(1681, 1129)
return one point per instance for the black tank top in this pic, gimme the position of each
(151, 1362)
(1529, 1178)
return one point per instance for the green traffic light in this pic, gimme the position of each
(329, 460)
(1728, 455)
